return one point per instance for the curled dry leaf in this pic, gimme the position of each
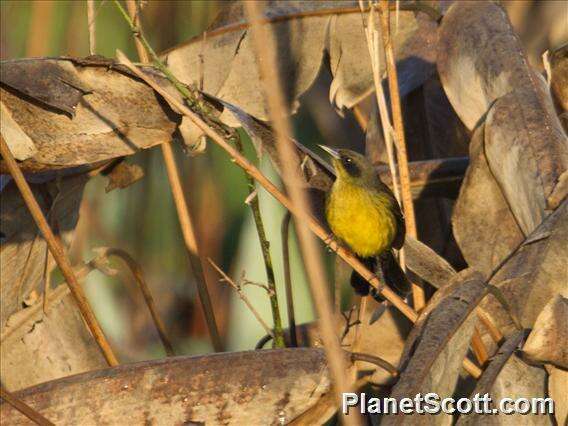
(222, 61)
(525, 146)
(23, 251)
(433, 357)
(427, 264)
(80, 112)
(559, 77)
(507, 376)
(533, 275)
(483, 225)
(38, 347)
(123, 175)
(557, 385)
(548, 341)
(256, 387)
(20, 144)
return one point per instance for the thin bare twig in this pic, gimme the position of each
(91, 23)
(243, 297)
(288, 278)
(24, 408)
(186, 224)
(418, 295)
(136, 270)
(58, 253)
(265, 49)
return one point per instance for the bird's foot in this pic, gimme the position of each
(329, 240)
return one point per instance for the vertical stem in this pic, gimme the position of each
(418, 295)
(184, 218)
(59, 255)
(265, 247)
(265, 50)
(92, 27)
(288, 278)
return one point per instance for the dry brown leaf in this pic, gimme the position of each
(23, 250)
(548, 341)
(533, 275)
(483, 225)
(427, 264)
(20, 144)
(223, 64)
(252, 388)
(123, 175)
(559, 77)
(40, 346)
(81, 112)
(434, 354)
(557, 385)
(525, 146)
(507, 376)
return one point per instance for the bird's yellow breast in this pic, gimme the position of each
(362, 218)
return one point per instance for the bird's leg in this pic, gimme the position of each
(376, 292)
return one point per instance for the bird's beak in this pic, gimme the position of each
(330, 151)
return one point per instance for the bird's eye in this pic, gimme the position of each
(350, 167)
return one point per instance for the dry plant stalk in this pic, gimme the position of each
(58, 253)
(418, 295)
(136, 270)
(182, 209)
(265, 49)
(92, 26)
(24, 408)
(242, 296)
(283, 199)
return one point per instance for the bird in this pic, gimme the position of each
(363, 213)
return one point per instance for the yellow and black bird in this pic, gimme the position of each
(363, 213)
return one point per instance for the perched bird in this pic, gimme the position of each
(363, 213)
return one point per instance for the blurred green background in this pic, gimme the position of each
(142, 219)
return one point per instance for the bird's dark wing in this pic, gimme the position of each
(398, 241)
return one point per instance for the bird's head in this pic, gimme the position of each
(351, 166)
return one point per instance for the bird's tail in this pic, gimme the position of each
(393, 275)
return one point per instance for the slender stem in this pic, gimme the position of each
(283, 199)
(288, 278)
(186, 224)
(418, 295)
(265, 49)
(138, 274)
(24, 408)
(91, 24)
(58, 253)
(265, 247)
